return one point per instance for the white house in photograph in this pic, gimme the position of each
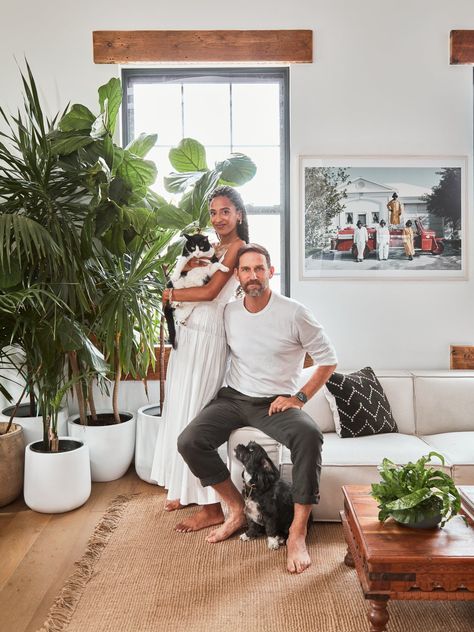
(367, 201)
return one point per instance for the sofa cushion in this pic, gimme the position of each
(359, 404)
(317, 407)
(443, 401)
(458, 450)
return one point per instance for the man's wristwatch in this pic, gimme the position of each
(301, 396)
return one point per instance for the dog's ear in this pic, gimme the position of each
(267, 475)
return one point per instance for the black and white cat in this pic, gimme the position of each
(196, 246)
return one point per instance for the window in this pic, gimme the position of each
(349, 218)
(375, 217)
(227, 110)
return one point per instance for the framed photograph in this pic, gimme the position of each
(401, 217)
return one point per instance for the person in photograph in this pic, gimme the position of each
(409, 240)
(196, 368)
(395, 208)
(268, 336)
(383, 240)
(361, 237)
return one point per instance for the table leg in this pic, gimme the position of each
(378, 614)
(349, 560)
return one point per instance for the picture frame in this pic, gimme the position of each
(427, 194)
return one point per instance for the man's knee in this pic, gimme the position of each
(308, 436)
(187, 442)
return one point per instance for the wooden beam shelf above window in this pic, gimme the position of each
(462, 47)
(122, 47)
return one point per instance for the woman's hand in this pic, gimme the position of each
(196, 262)
(165, 298)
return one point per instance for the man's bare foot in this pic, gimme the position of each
(233, 523)
(207, 516)
(173, 505)
(298, 559)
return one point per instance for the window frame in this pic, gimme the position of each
(180, 74)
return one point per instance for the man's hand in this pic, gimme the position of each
(284, 403)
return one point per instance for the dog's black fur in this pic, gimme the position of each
(268, 500)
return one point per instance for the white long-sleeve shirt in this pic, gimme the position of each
(267, 349)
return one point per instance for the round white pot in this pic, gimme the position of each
(33, 426)
(148, 424)
(56, 482)
(111, 448)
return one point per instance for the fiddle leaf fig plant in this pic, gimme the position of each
(414, 493)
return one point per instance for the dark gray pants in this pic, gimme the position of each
(231, 410)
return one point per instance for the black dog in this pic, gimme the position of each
(268, 500)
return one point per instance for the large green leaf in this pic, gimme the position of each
(141, 145)
(78, 118)
(189, 155)
(137, 173)
(236, 170)
(179, 182)
(170, 216)
(110, 98)
(65, 143)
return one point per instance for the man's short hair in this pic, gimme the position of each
(253, 248)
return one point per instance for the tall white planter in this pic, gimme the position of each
(56, 482)
(111, 448)
(33, 426)
(148, 424)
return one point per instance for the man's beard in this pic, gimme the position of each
(254, 288)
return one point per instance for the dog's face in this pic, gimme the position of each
(258, 465)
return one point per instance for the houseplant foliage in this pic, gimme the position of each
(414, 494)
(45, 282)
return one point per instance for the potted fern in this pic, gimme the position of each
(415, 495)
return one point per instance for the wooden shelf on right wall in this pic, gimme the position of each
(461, 357)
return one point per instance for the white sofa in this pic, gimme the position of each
(434, 410)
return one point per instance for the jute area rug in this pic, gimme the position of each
(139, 575)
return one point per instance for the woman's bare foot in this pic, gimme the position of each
(207, 516)
(173, 505)
(298, 559)
(233, 523)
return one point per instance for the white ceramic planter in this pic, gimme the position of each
(148, 424)
(111, 448)
(56, 482)
(33, 426)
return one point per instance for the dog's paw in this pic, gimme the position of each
(273, 543)
(245, 538)
(281, 540)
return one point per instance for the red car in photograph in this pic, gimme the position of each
(425, 240)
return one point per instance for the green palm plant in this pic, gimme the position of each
(46, 282)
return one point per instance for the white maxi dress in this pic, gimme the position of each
(195, 373)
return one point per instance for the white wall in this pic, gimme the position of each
(380, 83)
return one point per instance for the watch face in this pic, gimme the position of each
(302, 397)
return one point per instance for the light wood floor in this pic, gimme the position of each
(38, 551)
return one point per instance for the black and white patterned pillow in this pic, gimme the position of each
(358, 404)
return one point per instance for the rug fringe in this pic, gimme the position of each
(61, 611)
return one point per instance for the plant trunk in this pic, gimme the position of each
(17, 406)
(78, 388)
(31, 387)
(90, 399)
(53, 440)
(118, 375)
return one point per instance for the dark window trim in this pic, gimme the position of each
(180, 74)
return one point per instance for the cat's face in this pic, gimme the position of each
(198, 246)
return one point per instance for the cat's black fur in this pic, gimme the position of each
(195, 246)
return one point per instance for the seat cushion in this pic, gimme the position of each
(359, 404)
(458, 450)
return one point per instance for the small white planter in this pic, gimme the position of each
(148, 424)
(33, 426)
(111, 447)
(56, 482)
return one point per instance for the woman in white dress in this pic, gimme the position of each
(196, 368)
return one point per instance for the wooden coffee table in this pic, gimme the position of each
(396, 562)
